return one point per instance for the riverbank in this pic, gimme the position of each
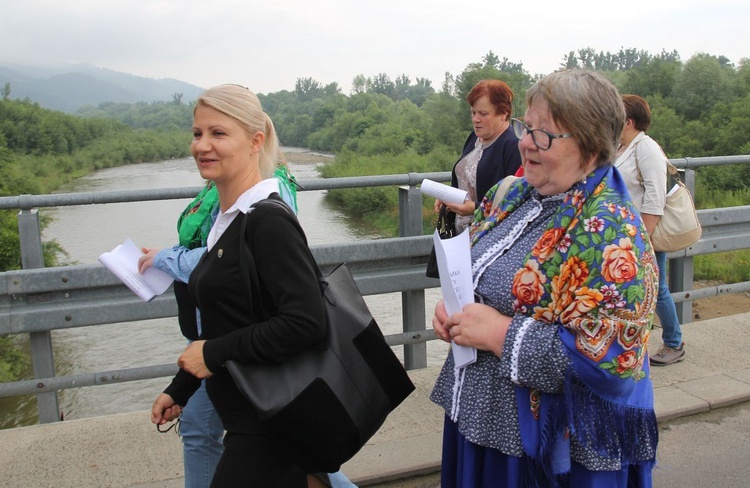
(305, 156)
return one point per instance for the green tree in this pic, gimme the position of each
(332, 89)
(732, 126)
(654, 77)
(570, 61)
(381, 83)
(359, 85)
(516, 77)
(448, 85)
(666, 126)
(307, 89)
(702, 83)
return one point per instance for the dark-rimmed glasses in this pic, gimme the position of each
(540, 137)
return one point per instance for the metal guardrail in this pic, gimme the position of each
(37, 300)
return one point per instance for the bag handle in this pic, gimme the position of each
(250, 273)
(671, 168)
(637, 167)
(440, 225)
(502, 189)
(674, 172)
(249, 276)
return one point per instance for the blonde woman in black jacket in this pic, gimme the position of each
(235, 145)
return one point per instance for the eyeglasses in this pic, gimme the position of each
(540, 137)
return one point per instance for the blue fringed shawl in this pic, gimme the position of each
(594, 274)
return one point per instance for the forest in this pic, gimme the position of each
(700, 107)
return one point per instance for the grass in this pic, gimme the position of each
(727, 267)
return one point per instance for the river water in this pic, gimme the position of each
(86, 231)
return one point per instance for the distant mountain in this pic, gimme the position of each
(67, 88)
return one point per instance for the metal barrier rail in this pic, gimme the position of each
(37, 300)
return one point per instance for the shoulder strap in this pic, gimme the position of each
(502, 189)
(247, 261)
(671, 168)
(638, 168)
(247, 268)
(673, 171)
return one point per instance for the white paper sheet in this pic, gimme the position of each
(123, 262)
(454, 264)
(446, 193)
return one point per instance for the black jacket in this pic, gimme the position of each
(499, 160)
(289, 295)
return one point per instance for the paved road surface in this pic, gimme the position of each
(706, 450)
(703, 405)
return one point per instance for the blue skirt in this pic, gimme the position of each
(468, 465)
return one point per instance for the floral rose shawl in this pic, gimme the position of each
(592, 272)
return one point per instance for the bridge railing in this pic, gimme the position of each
(38, 300)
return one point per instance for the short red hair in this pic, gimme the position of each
(498, 92)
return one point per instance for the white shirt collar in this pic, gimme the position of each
(258, 192)
(251, 196)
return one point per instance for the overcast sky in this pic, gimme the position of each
(268, 45)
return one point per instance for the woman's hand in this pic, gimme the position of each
(147, 260)
(466, 208)
(650, 222)
(191, 360)
(479, 326)
(438, 204)
(164, 410)
(438, 321)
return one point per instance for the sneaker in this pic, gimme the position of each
(668, 355)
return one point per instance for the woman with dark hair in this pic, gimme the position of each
(565, 284)
(643, 165)
(490, 152)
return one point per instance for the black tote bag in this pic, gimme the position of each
(322, 405)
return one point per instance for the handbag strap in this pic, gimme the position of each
(445, 226)
(673, 172)
(637, 167)
(502, 189)
(250, 273)
(440, 225)
(671, 168)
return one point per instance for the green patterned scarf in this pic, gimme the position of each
(195, 221)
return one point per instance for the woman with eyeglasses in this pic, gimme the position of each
(565, 284)
(490, 152)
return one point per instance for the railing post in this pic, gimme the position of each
(680, 277)
(412, 301)
(32, 256)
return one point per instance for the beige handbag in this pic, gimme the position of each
(679, 227)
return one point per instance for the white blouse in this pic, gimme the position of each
(650, 196)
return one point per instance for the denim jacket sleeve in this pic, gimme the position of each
(178, 261)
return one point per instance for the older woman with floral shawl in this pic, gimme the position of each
(565, 283)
